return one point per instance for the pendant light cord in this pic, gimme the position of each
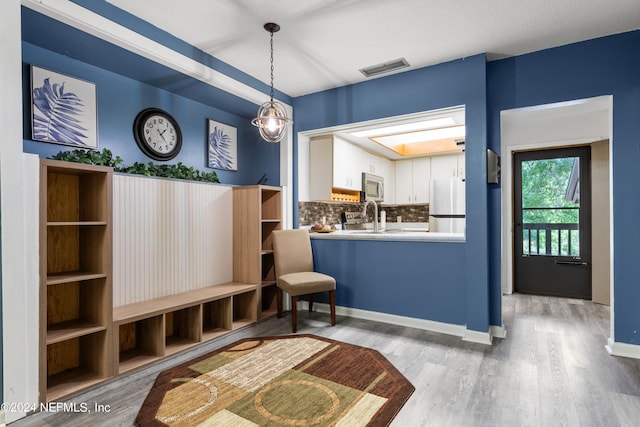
(271, 66)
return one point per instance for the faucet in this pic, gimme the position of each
(375, 213)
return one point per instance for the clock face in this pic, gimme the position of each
(157, 134)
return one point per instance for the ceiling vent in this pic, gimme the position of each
(386, 67)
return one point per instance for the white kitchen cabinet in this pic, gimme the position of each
(337, 164)
(412, 180)
(347, 165)
(448, 166)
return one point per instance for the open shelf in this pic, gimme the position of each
(76, 363)
(152, 329)
(138, 343)
(183, 328)
(216, 318)
(75, 277)
(268, 300)
(72, 276)
(70, 329)
(257, 214)
(271, 203)
(244, 309)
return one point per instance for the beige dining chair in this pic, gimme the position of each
(294, 272)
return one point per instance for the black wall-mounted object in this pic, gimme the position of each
(493, 167)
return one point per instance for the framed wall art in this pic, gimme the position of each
(222, 141)
(63, 109)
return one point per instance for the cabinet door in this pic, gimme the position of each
(444, 166)
(386, 170)
(461, 165)
(321, 170)
(404, 181)
(420, 180)
(343, 165)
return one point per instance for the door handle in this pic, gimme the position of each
(572, 263)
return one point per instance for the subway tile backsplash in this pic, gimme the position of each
(311, 212)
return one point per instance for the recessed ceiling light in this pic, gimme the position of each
(424, 142)
(407, 127)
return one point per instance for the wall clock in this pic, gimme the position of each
(157, 134)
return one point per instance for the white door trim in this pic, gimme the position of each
(549, 126)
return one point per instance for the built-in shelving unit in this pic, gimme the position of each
(147, 331)
(83, 338)
(257, 213)
(75, 277)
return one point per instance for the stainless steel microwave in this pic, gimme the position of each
(373, 187)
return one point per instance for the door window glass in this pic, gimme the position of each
(551, 207)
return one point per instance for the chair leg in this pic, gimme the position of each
(294, 314)
(332, 304)
(279, 302)
(310, 303)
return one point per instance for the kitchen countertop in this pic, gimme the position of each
(390, 235)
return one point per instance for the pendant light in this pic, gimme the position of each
(272, 118)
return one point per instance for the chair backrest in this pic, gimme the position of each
(292, 251)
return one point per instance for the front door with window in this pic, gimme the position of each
(552, 222)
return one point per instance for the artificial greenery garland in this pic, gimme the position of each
(105, 158)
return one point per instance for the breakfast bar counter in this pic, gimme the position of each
(390, 235)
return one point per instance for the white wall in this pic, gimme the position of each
(600, 223)
(545, 126)
(19, 213)
(169, 237)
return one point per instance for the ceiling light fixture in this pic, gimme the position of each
(272, 117)
(406, 127)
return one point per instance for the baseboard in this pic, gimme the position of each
(477, 337)
(623, 349)
(498, 331)
(411, 322)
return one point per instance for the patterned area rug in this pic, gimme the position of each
(297, 380)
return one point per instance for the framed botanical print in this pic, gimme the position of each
(63, 109)
(222, 141)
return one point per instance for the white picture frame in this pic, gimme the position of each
(63, 109)
(222, 143)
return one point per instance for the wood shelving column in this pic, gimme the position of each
(75, 277)
(257, 212)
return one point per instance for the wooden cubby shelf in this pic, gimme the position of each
(148, 330)
(75, 277)
(257, 214)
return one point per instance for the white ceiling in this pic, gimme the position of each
(323, 43)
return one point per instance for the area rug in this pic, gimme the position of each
(296, 380)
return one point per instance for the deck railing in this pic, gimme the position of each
(551, 239)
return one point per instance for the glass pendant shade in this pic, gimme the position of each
(271, 121)
(272, 118)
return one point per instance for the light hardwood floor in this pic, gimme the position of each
(551, 370)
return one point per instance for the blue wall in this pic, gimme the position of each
(367, 277)
(121, 98)
(605, 66)
(461, 82)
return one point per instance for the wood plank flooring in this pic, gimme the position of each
(551, 370)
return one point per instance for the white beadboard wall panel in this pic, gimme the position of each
(169, 237)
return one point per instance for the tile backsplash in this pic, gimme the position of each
(310, 212)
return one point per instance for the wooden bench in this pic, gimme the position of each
(150, 330)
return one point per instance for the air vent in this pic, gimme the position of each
(386, 67)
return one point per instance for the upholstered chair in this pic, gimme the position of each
(295, 275)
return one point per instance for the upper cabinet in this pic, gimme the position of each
(347, 165)
(412, 180)
(448, 166)
(336, 165)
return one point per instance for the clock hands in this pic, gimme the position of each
(162, 134)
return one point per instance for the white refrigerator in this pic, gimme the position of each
(447, 206)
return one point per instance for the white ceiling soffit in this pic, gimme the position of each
(323, 43)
